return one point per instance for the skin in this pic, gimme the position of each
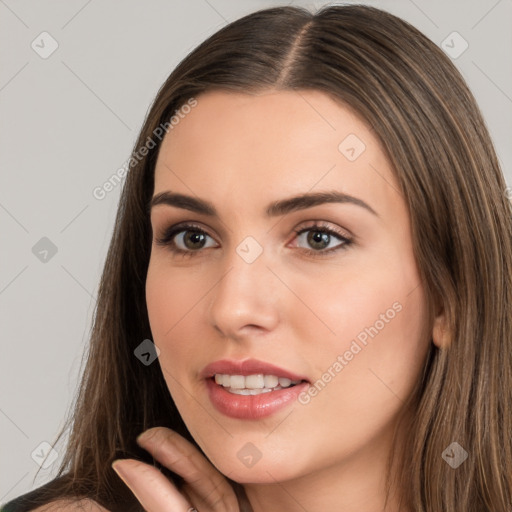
(295, 310)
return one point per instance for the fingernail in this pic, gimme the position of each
(121, 473)
(142, 437)
(147, 435)
(116, 466)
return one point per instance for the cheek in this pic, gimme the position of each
(171, 297)
(172, 300)
(376, 340)
(364, 372)
(172, 293)
(370, 309)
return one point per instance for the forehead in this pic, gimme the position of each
(238, 148)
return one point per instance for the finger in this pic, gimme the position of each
(153, 490)
(182, 457)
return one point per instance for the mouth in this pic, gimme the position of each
(251, 389)
(254, 384)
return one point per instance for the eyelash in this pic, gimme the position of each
(167, 240)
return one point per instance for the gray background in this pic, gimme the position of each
(69, 121)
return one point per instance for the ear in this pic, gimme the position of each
(441, 335)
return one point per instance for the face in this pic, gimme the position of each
(259, 289)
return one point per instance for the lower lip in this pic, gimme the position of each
(252, 407)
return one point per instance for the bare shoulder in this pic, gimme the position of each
(85, 505)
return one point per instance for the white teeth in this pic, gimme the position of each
(254, 381)
(253, 384)
(249, 391)
(237, 382)
(284, 382)
(271, 381)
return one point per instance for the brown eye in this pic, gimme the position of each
(193, 239)
(184, 239)
(319, 237)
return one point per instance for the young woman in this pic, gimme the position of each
(306, 300)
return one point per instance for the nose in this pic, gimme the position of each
(245, 300)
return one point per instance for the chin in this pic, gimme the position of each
(259, 473)
(247, 464)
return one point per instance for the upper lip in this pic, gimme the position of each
(247, 367)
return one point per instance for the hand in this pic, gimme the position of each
(205, 488)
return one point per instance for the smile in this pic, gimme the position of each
(251, 389)
(253, 384)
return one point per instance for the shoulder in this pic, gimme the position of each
(50, 498)
(85, 505)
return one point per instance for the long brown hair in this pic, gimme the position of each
(434, 135)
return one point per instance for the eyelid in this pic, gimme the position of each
(312, 223)
(323, 224)
(174, 229)
(169, 233)
(344, 238)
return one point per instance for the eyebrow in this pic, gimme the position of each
(274, 209)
